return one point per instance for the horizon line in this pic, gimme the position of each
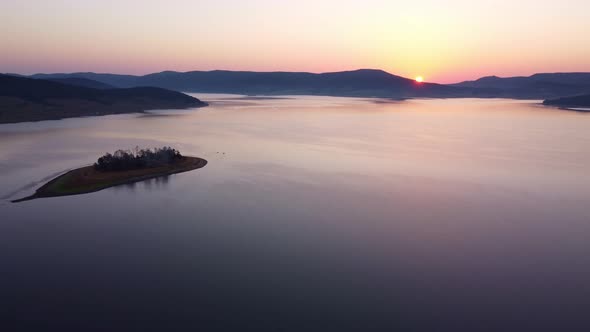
(289, 72)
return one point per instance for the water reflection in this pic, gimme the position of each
(314, 213)
(158, 183)
(129, 187)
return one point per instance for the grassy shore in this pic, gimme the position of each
(86, 179)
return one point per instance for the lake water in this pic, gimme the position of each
(313, 214)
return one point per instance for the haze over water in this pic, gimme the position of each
(313, 213)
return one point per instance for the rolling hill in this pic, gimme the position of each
(26, 99)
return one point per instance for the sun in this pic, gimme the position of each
(419, 79)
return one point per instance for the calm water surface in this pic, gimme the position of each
(313, 214)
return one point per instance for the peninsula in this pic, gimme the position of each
(582, 101)
(122, 167)
(27, 99)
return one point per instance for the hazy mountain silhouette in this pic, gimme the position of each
(577, 101)
(25, 99)
(84, 82)
(538, 86)
(359, 83)
(116, 80)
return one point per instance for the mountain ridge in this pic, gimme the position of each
(353, 83)
(350, 83)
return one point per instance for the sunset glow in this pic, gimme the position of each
(450, 40)
(419, 79)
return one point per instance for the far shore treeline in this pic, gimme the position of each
(123, 160)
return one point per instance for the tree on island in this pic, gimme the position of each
(123, 160)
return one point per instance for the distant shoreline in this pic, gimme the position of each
(575, 109)
(86, 179)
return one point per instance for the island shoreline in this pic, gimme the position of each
(52, 189)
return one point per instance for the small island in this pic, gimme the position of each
(122, 167)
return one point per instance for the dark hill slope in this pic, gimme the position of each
(25, 99)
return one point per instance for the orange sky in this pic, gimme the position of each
(444, 41)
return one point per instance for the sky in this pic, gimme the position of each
(443, 40)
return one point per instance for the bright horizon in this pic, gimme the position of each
(442, 41)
